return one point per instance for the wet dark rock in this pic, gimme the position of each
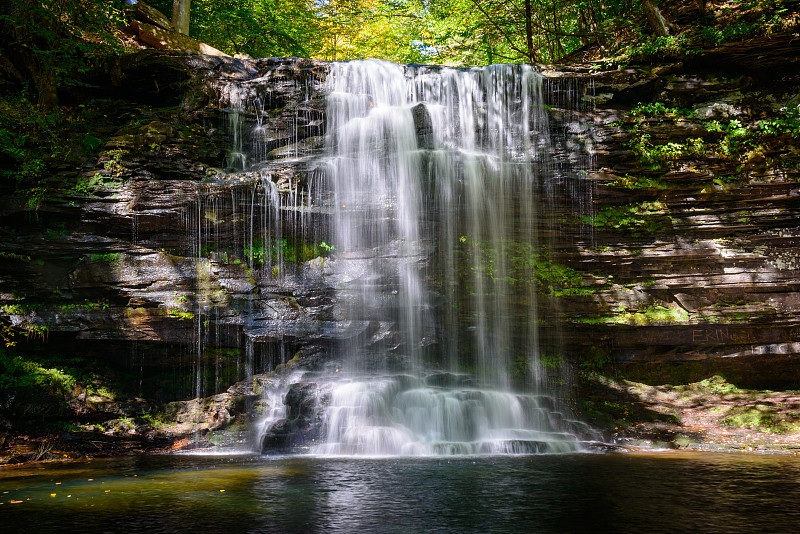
(303, 328)
(450, 380)
(286, 435)
(301, 400)
(423, 126)
(151, 77)
(302, 426)
(309, 357)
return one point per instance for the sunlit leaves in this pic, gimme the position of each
(259, 28)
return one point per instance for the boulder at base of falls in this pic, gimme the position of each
(302, 426)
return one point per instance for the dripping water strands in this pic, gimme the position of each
(247, 227)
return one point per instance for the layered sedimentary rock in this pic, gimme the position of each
(695, 254)
(115, 264)
(680, 257)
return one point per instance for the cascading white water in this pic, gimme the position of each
(434, 178)
(405, 415)
(375, 174)
(435, 191)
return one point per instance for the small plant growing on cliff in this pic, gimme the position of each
(735, 138)
(13, 309)
(114, 161)
(180, 315)
(635, 218)
(108, 257)
(651, 315)
(86, 184)
(595, 359)
(787, 123)
(653, 109)
(262, 252)
(637, 182)
(18, 371)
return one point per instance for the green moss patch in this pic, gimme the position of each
(655, 314)
(634, 218)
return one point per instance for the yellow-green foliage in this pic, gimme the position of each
(651, 315)
(719, 386)
(262, 252)
(728, 139)
(109, 257)
(766, 419)
(29, 141)
(45, 383)
(180, 315)
(18, 371)
(636, 218)
(786, 123)
(637, 182)
(526, 264)
(14, 256)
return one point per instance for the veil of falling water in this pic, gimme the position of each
(433, 181)
(435, 176)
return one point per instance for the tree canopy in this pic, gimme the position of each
(456, 32)
(470, 32)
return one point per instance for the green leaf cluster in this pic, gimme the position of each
(259, 28)
(64, 37)
(725, 138)
(786, 123)
(17, 371)
(636, 218)
(284, 250)
(517, 264)
(29, 142)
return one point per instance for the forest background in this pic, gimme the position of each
(50, 49)
(452, 32)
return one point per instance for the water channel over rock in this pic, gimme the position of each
(413, 219)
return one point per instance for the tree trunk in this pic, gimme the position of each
(26, 54)
(655, 21)
(583, 28)
(529, 32)
(180, 15)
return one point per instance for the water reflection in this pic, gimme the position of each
(557, 493)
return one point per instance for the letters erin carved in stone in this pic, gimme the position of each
(710, 335)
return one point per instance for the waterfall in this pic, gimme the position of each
(419, 229)
(434, 174)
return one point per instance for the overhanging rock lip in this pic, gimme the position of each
(306, 329)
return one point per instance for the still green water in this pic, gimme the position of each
(673, 493)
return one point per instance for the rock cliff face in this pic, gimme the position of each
(695, 255)
(153, 262)
(121, 262)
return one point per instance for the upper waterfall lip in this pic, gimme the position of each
(432, 66)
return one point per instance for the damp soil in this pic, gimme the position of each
(708, 415)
